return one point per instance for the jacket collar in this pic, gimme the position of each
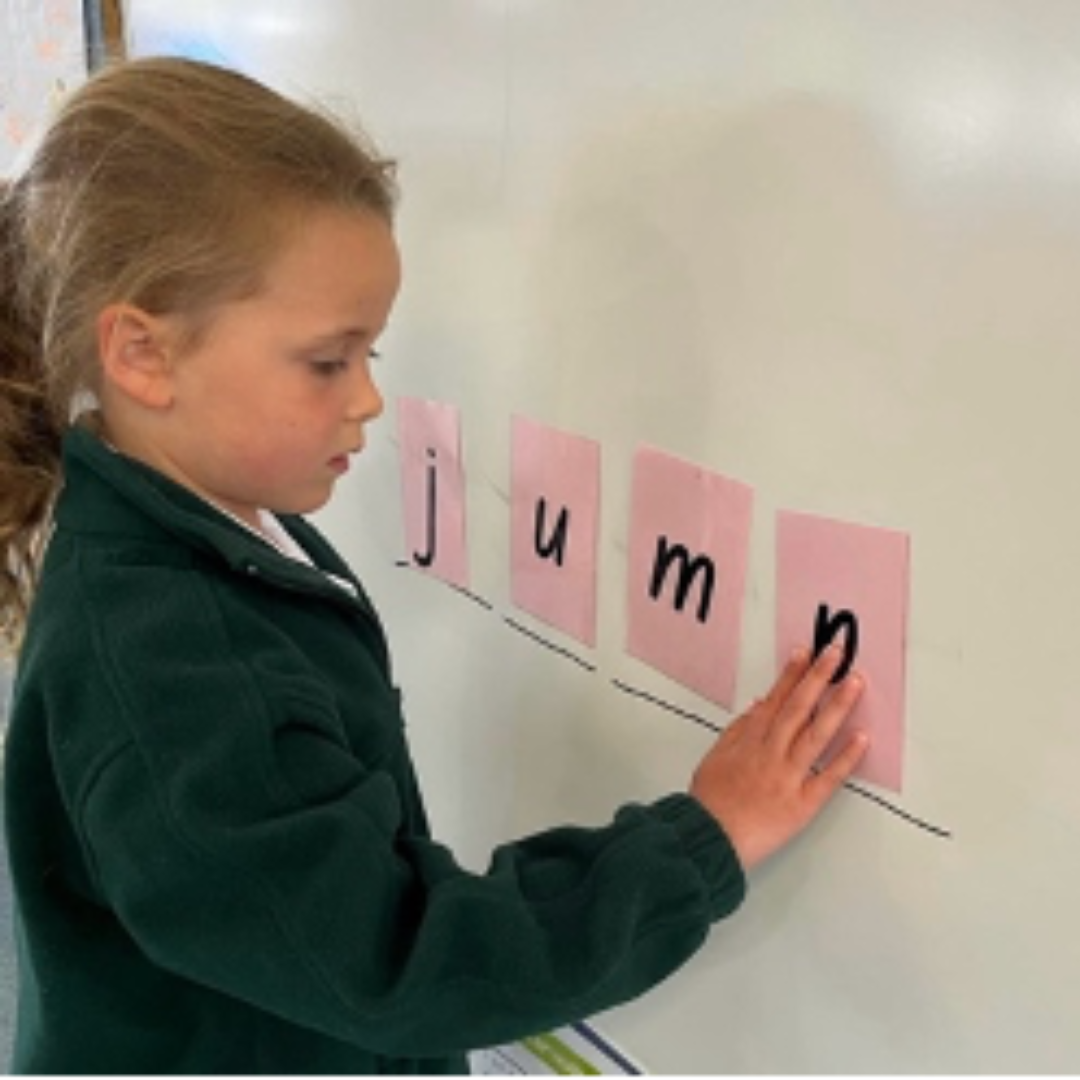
(106, 493)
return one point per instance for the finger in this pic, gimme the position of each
(822, 785)
(757, 721)
(816, 736)
(794, 670)
(798, 708)
(759, 713)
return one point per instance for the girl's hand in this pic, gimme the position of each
(759, 779)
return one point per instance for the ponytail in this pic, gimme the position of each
(29, 432)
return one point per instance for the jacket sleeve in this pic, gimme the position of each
(245, 848)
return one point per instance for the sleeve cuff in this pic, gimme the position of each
(708, 846)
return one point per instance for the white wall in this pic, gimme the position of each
(827, 247)
(42, 56)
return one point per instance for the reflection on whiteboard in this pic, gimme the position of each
(42, 57)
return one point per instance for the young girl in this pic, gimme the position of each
(220, 855)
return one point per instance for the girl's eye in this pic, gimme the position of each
(328, 368)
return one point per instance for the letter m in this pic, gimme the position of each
(667, 555)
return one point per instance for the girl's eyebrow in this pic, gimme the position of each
(333, 337)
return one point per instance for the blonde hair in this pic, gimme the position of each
(163, 183)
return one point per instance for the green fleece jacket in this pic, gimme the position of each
(220, 855)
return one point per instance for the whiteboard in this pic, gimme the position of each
(42, 56)
(829, 248)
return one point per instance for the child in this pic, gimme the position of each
(220, 855)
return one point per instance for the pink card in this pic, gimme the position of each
(554, 507)
(850, 583)
(689, 547)
(433, 489)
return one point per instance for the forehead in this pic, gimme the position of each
(335, 264)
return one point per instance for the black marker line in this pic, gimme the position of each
(936, 830)
(626, 689)
(548, 644)
(911, 819)
(471, 596)
(404, 564)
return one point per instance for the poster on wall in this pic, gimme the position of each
(42, 58)
(576, 1050)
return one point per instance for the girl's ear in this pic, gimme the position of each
(133, 348)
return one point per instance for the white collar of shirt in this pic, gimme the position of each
(272, 532)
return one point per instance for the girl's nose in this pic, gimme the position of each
(365, 402)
